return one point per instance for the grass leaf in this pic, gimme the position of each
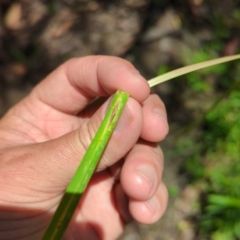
(181, 71)
(80, 180)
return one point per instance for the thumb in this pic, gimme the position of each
(50, 165)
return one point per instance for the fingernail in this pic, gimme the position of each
(147, 173)
(160, 113)
(136, 73)
(153, 204)
(124, 120)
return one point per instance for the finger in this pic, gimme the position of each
(142, 171)
(76, 83)
(122, 203)
(55, 161)
(155, 125)
(151, 210)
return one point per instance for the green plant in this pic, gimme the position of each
(85, 170)
(222, 168)
(215, 162)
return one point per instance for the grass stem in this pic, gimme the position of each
(78, 184)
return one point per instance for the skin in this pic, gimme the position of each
(43, 138)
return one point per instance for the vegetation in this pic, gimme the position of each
(215, 156)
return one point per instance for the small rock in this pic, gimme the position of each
(186, 230)
(18, 69)
(167, 23)
(188, 201)
(135, 3)
(13, 17)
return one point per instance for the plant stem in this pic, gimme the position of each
(85, 170)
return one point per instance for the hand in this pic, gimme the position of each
(44, 137)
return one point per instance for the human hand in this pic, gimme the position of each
(44, 137)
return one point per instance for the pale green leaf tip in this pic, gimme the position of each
(184, 70)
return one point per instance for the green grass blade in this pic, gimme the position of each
(181, 71)
(85, 170)
(224, 201)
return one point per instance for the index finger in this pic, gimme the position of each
(72, 86)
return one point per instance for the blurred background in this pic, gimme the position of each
(202, 151)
